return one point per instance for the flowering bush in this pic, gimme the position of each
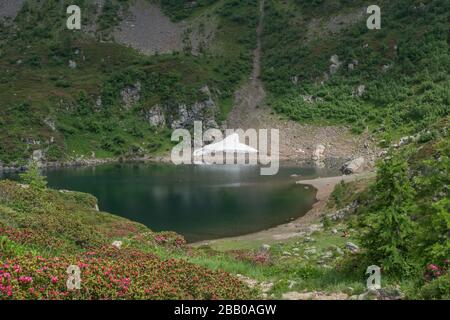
(434, 271)
(37, 226)
(167, 239)
(257, 258)
(110, 273)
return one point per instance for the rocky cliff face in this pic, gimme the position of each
(204, 111)
(181, 116)
(184, 115)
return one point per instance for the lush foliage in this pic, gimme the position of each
(33, 177)
(403, 66)
(406, 217)
(109, 273)
(179, 9)
(43, 232)
(74, 113)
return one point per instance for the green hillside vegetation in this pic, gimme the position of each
(412, 46)
(401, 218)
(400, 224)
(35, 79)
(44, 231)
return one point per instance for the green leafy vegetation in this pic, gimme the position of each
(403, 66)
(402, 218)
(62, 92)
(180, 9)
(33, 178)
(70, 84)
(44, 231)
(406, 219)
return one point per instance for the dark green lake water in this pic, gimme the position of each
(199, 202)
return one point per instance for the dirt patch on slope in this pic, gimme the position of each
(318, 27)
(10, 8)
(146, 28)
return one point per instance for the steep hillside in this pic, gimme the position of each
(85, 96)
(321, 64)
(43, 232)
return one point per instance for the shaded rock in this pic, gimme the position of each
(336, 64)
(315, 295)
(406, 140)
(50, 123)
(344, 212)
(98, 102)
(352, 247)
(311, 250)
(72, 64)
(318, 152)
(351, 66)
(390, 294)
(359, 91)
(155, 116)
(10, 8)
(380, 294)
(131, 95)
(38, 155)
(386, 67)
(117, 244)
(200, 111)
(353, 166)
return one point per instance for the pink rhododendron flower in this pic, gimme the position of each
(24, 279)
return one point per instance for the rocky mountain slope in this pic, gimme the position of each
(139, 68)
(87, 95)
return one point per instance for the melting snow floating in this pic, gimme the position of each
(230, 144)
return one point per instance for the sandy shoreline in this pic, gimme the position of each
(324, 187)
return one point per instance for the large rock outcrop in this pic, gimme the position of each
(204, 111)
(353, 166)
(131, 95)
(155, 116)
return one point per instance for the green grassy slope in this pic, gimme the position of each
(36, 81)
(404, 66)
(43, 232)
(400, 224)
